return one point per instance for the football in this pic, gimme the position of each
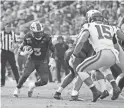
(27, 48)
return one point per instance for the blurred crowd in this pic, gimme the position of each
(58, 17)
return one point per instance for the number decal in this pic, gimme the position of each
(37, 51)
(99, 32)
(104, 32)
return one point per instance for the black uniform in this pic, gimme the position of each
(38, 59)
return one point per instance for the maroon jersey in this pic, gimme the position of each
(40, 47)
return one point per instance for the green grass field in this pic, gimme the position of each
(43, 98)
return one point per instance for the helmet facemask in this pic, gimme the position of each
(37, 35)
(37, 29)
(97, 18)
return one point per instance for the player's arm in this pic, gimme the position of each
(24, 52)
(82, 39)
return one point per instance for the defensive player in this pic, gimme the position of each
(37, 45)
(85, 52)
(100, 36)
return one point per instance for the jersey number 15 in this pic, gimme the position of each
(103, 32)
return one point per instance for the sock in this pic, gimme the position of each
(113, 83)
(74, 93)
(60, 89)
(32, 84)
(21, 82)
(93, 88)
(102, 85)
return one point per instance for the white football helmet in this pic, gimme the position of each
(94, 15)
(36, 27)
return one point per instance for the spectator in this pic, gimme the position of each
(30, 16)
(111, 20)
(60, 49)
(120, 13)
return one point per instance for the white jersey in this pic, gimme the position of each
(101, 35)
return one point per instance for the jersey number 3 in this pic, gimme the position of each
(103, 32)
(37, 51)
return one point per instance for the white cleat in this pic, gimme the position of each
(16, 92)
(31, 88)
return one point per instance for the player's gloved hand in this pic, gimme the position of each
(71, 60)
(27, 51)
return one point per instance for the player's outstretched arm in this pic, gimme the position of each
(82, 39)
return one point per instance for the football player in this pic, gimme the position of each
(85, 52)
(100, 36)
(36, 45)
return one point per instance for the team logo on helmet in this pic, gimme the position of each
(92, 15)
(36, 27)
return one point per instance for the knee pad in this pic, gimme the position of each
(83, 75)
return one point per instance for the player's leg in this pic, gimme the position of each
(76, 87)
(118, 75)
(65, 67)
(100, 83)
(77, 82)
(12, 62)
(121, 58)
(20, 62)
(58, 69)
(3, 64)
(92, 63)
(43, 71)
(120, 81)
(116, 70)
(68, 78)
(29, 68)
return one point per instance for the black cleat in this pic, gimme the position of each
(104, 94)
(76, 98)
(116, 93)
(96, 95)
(57, 96)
